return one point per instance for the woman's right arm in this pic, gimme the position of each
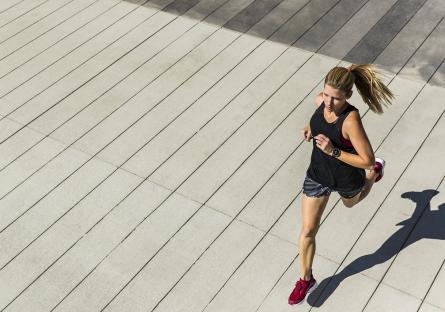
(307, 134)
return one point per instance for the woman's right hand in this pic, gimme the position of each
(307, 134)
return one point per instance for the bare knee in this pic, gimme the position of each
(308, 232)
(349, 202)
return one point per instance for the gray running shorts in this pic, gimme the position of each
(312, 188)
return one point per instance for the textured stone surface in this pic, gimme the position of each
(151, 159)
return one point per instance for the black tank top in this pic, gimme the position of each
(328, 170)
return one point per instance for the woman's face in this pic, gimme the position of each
(334, 99)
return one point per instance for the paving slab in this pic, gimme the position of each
(50, 121)
(195, 290)
(19, 10)
(131, 73)
(10, 43)
(427, 59)
(7, 4)
(47, 249)
(260, 269)
(111, 102)
(63, 276)
(101, 136)
(9, 126)
(412, 36)
(13, 148)
(194, 94)
(63, 76)
(382, 33)
(14, 54)
(307, 16)
(23, 230)
(435, 296)
(426, 307)
(333, 20)
(355, 28)
(28, 20)
(388, 298)
(19, 171)
(30, 69)
(118, 268)
(439, 77)
(180, 252)
(39, 185)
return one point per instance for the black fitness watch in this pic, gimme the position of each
(335, 152)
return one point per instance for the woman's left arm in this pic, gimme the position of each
(353, 127)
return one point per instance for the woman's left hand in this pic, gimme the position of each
(324, 143)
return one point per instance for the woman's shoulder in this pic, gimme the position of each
(352, 118)
(351, 108)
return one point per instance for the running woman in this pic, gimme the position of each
(342, 157)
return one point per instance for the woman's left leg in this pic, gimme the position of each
(369, 182)
(311, 212)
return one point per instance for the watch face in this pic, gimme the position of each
(335, 152)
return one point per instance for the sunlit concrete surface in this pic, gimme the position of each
(151, 159)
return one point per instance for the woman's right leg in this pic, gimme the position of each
(311, 211)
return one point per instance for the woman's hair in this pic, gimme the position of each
(373, 91)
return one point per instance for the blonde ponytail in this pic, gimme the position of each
(366, 79)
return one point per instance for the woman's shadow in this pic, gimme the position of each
(427, 223)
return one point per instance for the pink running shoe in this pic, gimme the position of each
(378, 168)
(302, 288)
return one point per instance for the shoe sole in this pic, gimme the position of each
(308, 292)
